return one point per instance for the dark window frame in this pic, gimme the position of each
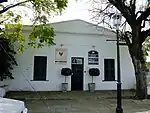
(107, 77)
(43, 59)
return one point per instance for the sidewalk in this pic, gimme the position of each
(80, 102)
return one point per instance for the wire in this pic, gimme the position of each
(49, 109)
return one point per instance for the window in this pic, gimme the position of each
(93, 57)
(109, 70)
(40, 68)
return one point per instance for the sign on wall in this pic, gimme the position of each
(61, 55)
(93, 57)
(76, 60)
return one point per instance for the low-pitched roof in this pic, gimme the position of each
(78, 26)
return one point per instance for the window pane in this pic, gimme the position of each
(109, 69)
(40, 67)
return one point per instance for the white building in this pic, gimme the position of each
(75, 40)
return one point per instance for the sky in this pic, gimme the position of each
(77, 9)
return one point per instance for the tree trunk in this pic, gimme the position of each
(136, 53)
(141, 79)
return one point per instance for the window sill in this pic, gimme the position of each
(109, 80)
(39, 80)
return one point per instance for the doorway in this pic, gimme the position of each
(77, 64)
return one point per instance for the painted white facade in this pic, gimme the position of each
(78, 37)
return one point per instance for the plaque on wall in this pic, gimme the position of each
(76, 60)
(61, 55)
(93, 57)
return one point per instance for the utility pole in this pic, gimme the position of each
(117, 22)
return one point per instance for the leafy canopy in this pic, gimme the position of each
(7, 59)
(42, 34)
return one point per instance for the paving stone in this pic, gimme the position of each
(83, 102)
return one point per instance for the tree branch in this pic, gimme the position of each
(144, 22)
(147, 32)
(142, 26)
(11, 6)
(127, 37)
(144, 35)
(120, 5)
(104, 22)
(138, 13)
(1, 22)
(102, 14)
(101, 11)
(144, 15)
(133, 7)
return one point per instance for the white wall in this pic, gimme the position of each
(78, 46)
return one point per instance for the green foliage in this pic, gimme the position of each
(146, 46)
(42, 33)
(148, 65)
(146, 49)
(7, 59)
(15, 34)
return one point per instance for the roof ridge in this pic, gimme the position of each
(71, 20)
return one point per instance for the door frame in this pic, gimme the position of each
(82, 89)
